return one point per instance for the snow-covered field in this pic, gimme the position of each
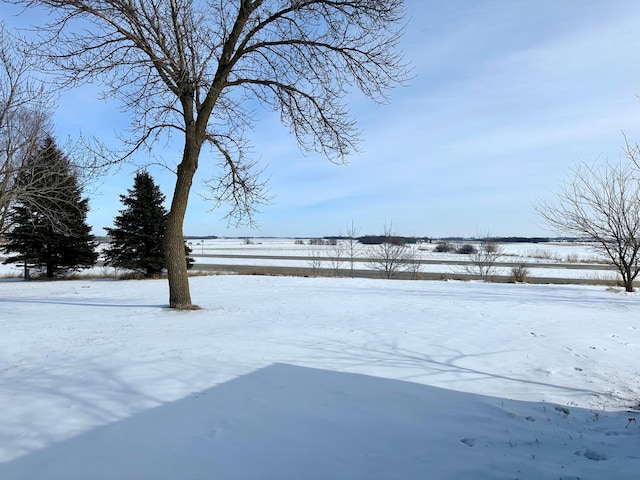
(578, 261)
(541, 252)
(316, 378)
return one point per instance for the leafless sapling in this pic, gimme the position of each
(390, 255)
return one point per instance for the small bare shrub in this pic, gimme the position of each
(413, 261)
(352, 245)
(543, 254)
(519, 274)
(321, 241)
(315, 261)
(467, 249)
(443, 247)
(572, 258)
(337, 257)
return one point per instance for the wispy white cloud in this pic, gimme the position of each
(505, 97)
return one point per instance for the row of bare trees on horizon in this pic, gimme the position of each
(393, 256)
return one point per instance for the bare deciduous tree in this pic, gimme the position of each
(390, 256)
(352, 245)
(602, 204)
(189, 66)
(315, 260)
(485, 257)
(413, 263)
(24, 122)
(337, 253)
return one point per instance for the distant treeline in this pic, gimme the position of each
(507, 239)
(379, 239)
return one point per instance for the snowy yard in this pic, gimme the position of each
(309, 378)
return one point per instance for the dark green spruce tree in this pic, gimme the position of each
(49, 232)
(138, 232)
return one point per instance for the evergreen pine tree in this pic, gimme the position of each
(51, 234)
(137, 236)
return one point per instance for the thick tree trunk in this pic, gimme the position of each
(628, 280)
(179, 294)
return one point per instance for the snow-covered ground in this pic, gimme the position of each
(316, 378)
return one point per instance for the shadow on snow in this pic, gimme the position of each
(291, 422)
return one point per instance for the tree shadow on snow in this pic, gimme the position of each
(290, 422)
(447, 361)
(86, 302)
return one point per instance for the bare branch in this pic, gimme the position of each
(239, 184)
(24, 120)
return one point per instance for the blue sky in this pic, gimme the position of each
(506, 97)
